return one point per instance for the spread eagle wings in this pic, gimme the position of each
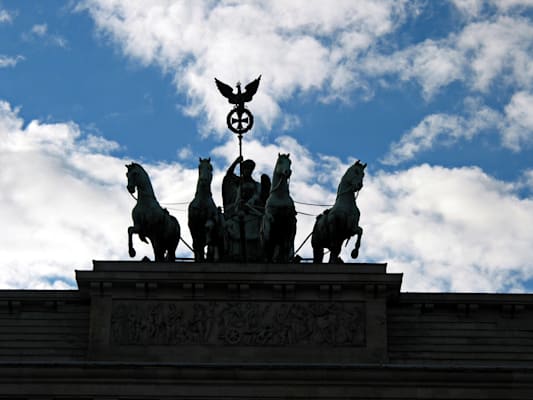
(239, 98)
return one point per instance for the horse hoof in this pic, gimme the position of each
(355, 253)
(132, 253)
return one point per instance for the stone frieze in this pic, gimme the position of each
(237, 323)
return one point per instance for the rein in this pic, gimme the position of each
(348, 191)
(136, 198)
(272, 190)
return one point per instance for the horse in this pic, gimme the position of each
(340, 222)
(205, 219)
(278, 226)
(150, 220)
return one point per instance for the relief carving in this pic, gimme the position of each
(238, 323)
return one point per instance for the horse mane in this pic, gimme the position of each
(148, 180)
(350, 171)
(134, 164)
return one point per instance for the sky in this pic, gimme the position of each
(434, 96)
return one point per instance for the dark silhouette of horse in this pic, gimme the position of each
(150, 220)
(340, 222)
(279, 221)
(205, 219)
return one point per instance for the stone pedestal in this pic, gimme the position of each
(238, 313)
(138, 331)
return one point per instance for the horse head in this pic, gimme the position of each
(283, 166)
(205, 170)
(137, 178)
(132, 175)
(354, 176)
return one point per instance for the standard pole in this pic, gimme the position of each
(242, 231)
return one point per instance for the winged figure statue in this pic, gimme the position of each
(241, 97)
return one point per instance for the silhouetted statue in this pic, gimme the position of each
(150, 220)
(279, 222)
(205, 219)
(340, 222)
(244, 200)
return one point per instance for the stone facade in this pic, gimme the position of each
(270, 331)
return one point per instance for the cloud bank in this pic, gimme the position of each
(340, 53)
(64, 203)
(304, 46)
(491, 54)
(455, 229)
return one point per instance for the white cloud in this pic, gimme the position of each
(448, 229)
(40, 32)
(298, 46)
(444, 129)
(7, 61)
(518, 128)
(64, 203)
(474, 8)
(430, 63)
(514, 125)
(506, 5)
(39, 29)
(333, 53)
(6, 16)
(311, 46)
(469, 8)
(184, 153)
(494, 51)
(499, 50)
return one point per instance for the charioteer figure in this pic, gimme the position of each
(242, 189)
(244, 201)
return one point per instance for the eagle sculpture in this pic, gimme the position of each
(241, 97)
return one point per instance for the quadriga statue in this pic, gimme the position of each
(340, 222)
(206, 222)
(150, 220)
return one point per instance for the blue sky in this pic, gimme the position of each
(434, 96)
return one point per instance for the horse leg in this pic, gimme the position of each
(173, 241)
(210, 254)
(131, 231)
(159, 250)
(284, 252)
(209, 240)
(284, 247)
(355, 251)
(198, 251)
(198, 244)
(289, 243)
(171, 253)
(220, 242)
(268, 247)
(318, 254)
(335, 250)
